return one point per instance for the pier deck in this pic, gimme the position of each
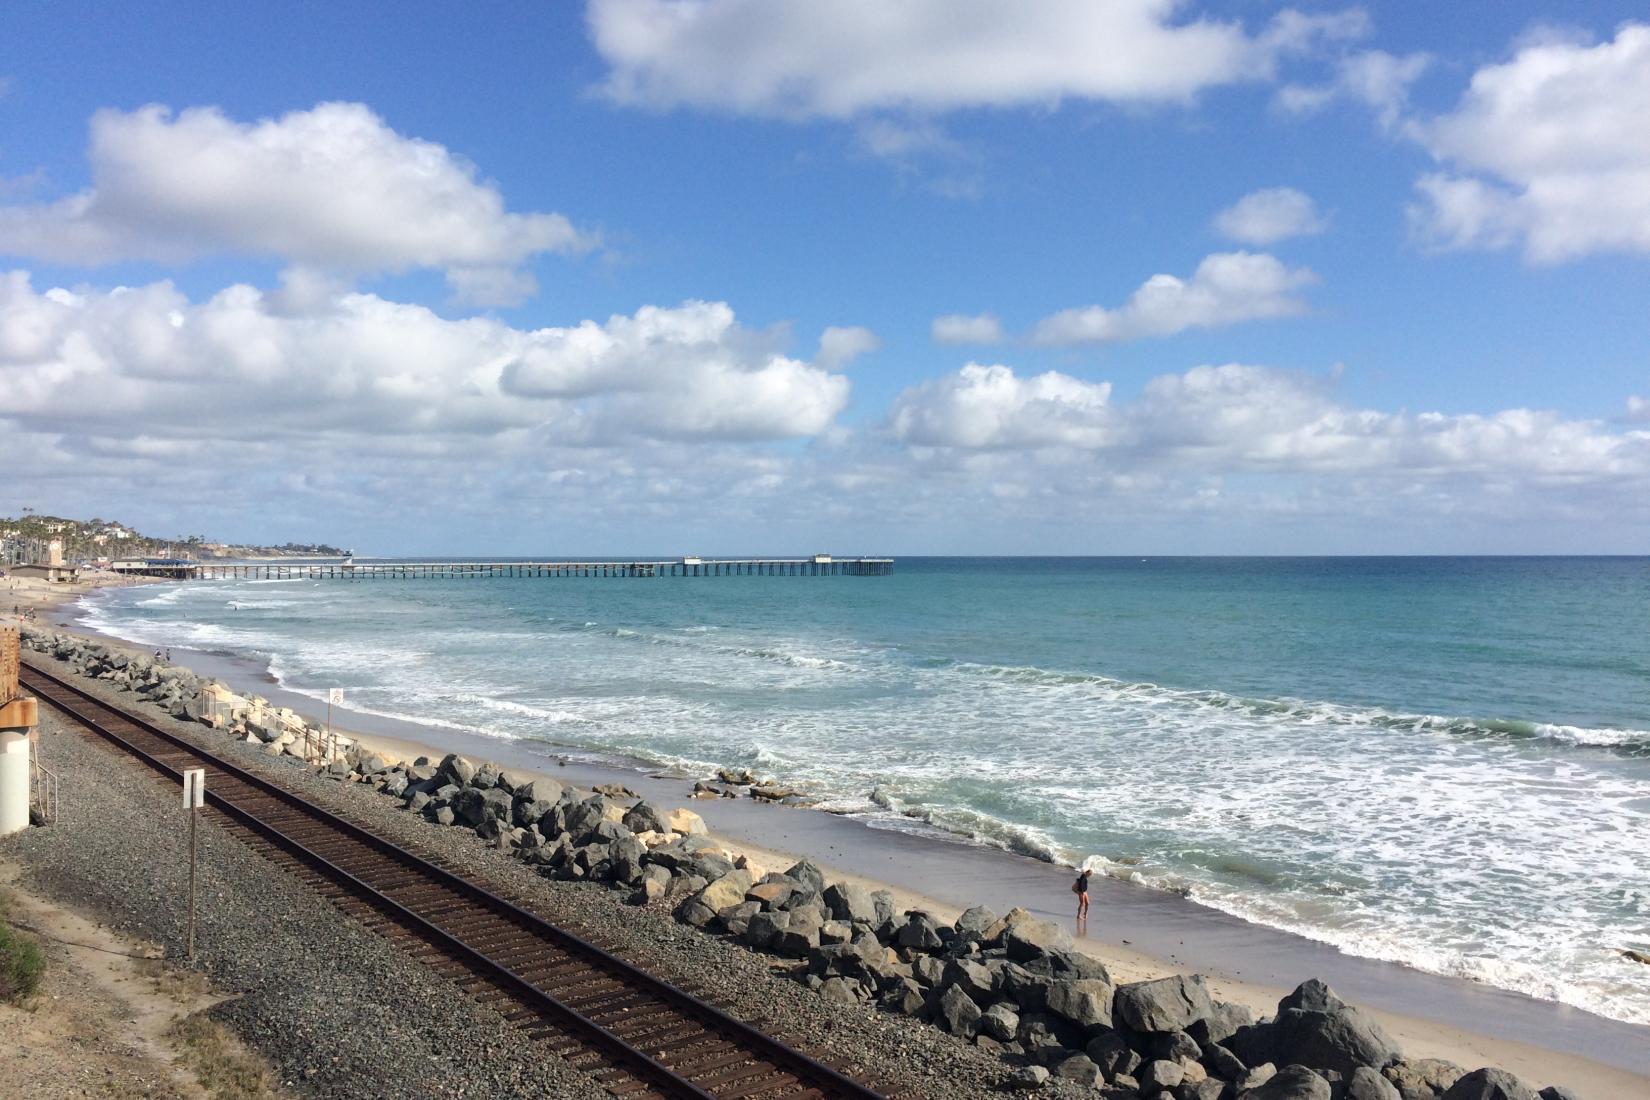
(820, 565)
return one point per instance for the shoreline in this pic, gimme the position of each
(1137, 931)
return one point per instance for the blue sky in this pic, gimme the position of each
(1442, 346)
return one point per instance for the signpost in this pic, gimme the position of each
(334, 695)
(194, 797)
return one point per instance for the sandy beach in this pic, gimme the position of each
(1138, 932)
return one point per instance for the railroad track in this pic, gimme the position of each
(636, 1035)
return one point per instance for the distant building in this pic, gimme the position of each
(54, 573)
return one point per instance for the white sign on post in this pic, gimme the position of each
(194, 788)
(335, 697)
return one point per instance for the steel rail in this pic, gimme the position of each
(809, 1072)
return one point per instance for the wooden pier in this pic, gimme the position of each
(819, 565)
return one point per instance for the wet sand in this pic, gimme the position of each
(1139, 932)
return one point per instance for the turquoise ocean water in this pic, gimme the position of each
(1438, 761)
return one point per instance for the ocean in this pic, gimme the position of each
(1443, 762)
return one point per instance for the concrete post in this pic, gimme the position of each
(14, 776)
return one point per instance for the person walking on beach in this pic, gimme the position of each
(1081, 889)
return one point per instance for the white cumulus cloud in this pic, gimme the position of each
(967, 328)
(1548, 151)
(333, 187)
(842, 344)
(798, 58)
(1218, 420)
(1375, 78)
(246, 363)
(1269, 215)
(1227, 288)
(990, 407)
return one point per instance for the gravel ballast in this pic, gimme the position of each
(340, 1012)
(346, 1014)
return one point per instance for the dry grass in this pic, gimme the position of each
(222, 1065)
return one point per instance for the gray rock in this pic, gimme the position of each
(655, 881)
(1220, 1024)
(850, 902)
(1039, 1038)
(727, 891)
(809, 875)
(547, 789)
(1110, 1053)
(928, 970)
(455, 769)
(371, 763)
(1176, 1046)
(841, 990)
(609, 831)
(1341, 1040)
(765, 927)
(1027, 1078)
(486, 776)
(1001, 1022)
(1029, 937)
(1311, 995)
(835, 931)
(496, 805)
(854, 959)
(645, 817)
(1210, 1088)
(1368, 1084)
(1490, 1084)
(1086, 1002)
(1423, 1079)
(957, 1013)
(772, 892)
(1222, 1063)
(625, 857)
(919, 933)
(1165, 1004)
(684, 885)
(1256, 1077)
(974, 979)
(1069, 964)
(974, 922)
(1291, 1083)
(1160, 1074)
(801, 934)
(904, 996)
(1028, 990)
(582, 818)
(1558, 1092)
(530, 811)
(1080, 1070)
